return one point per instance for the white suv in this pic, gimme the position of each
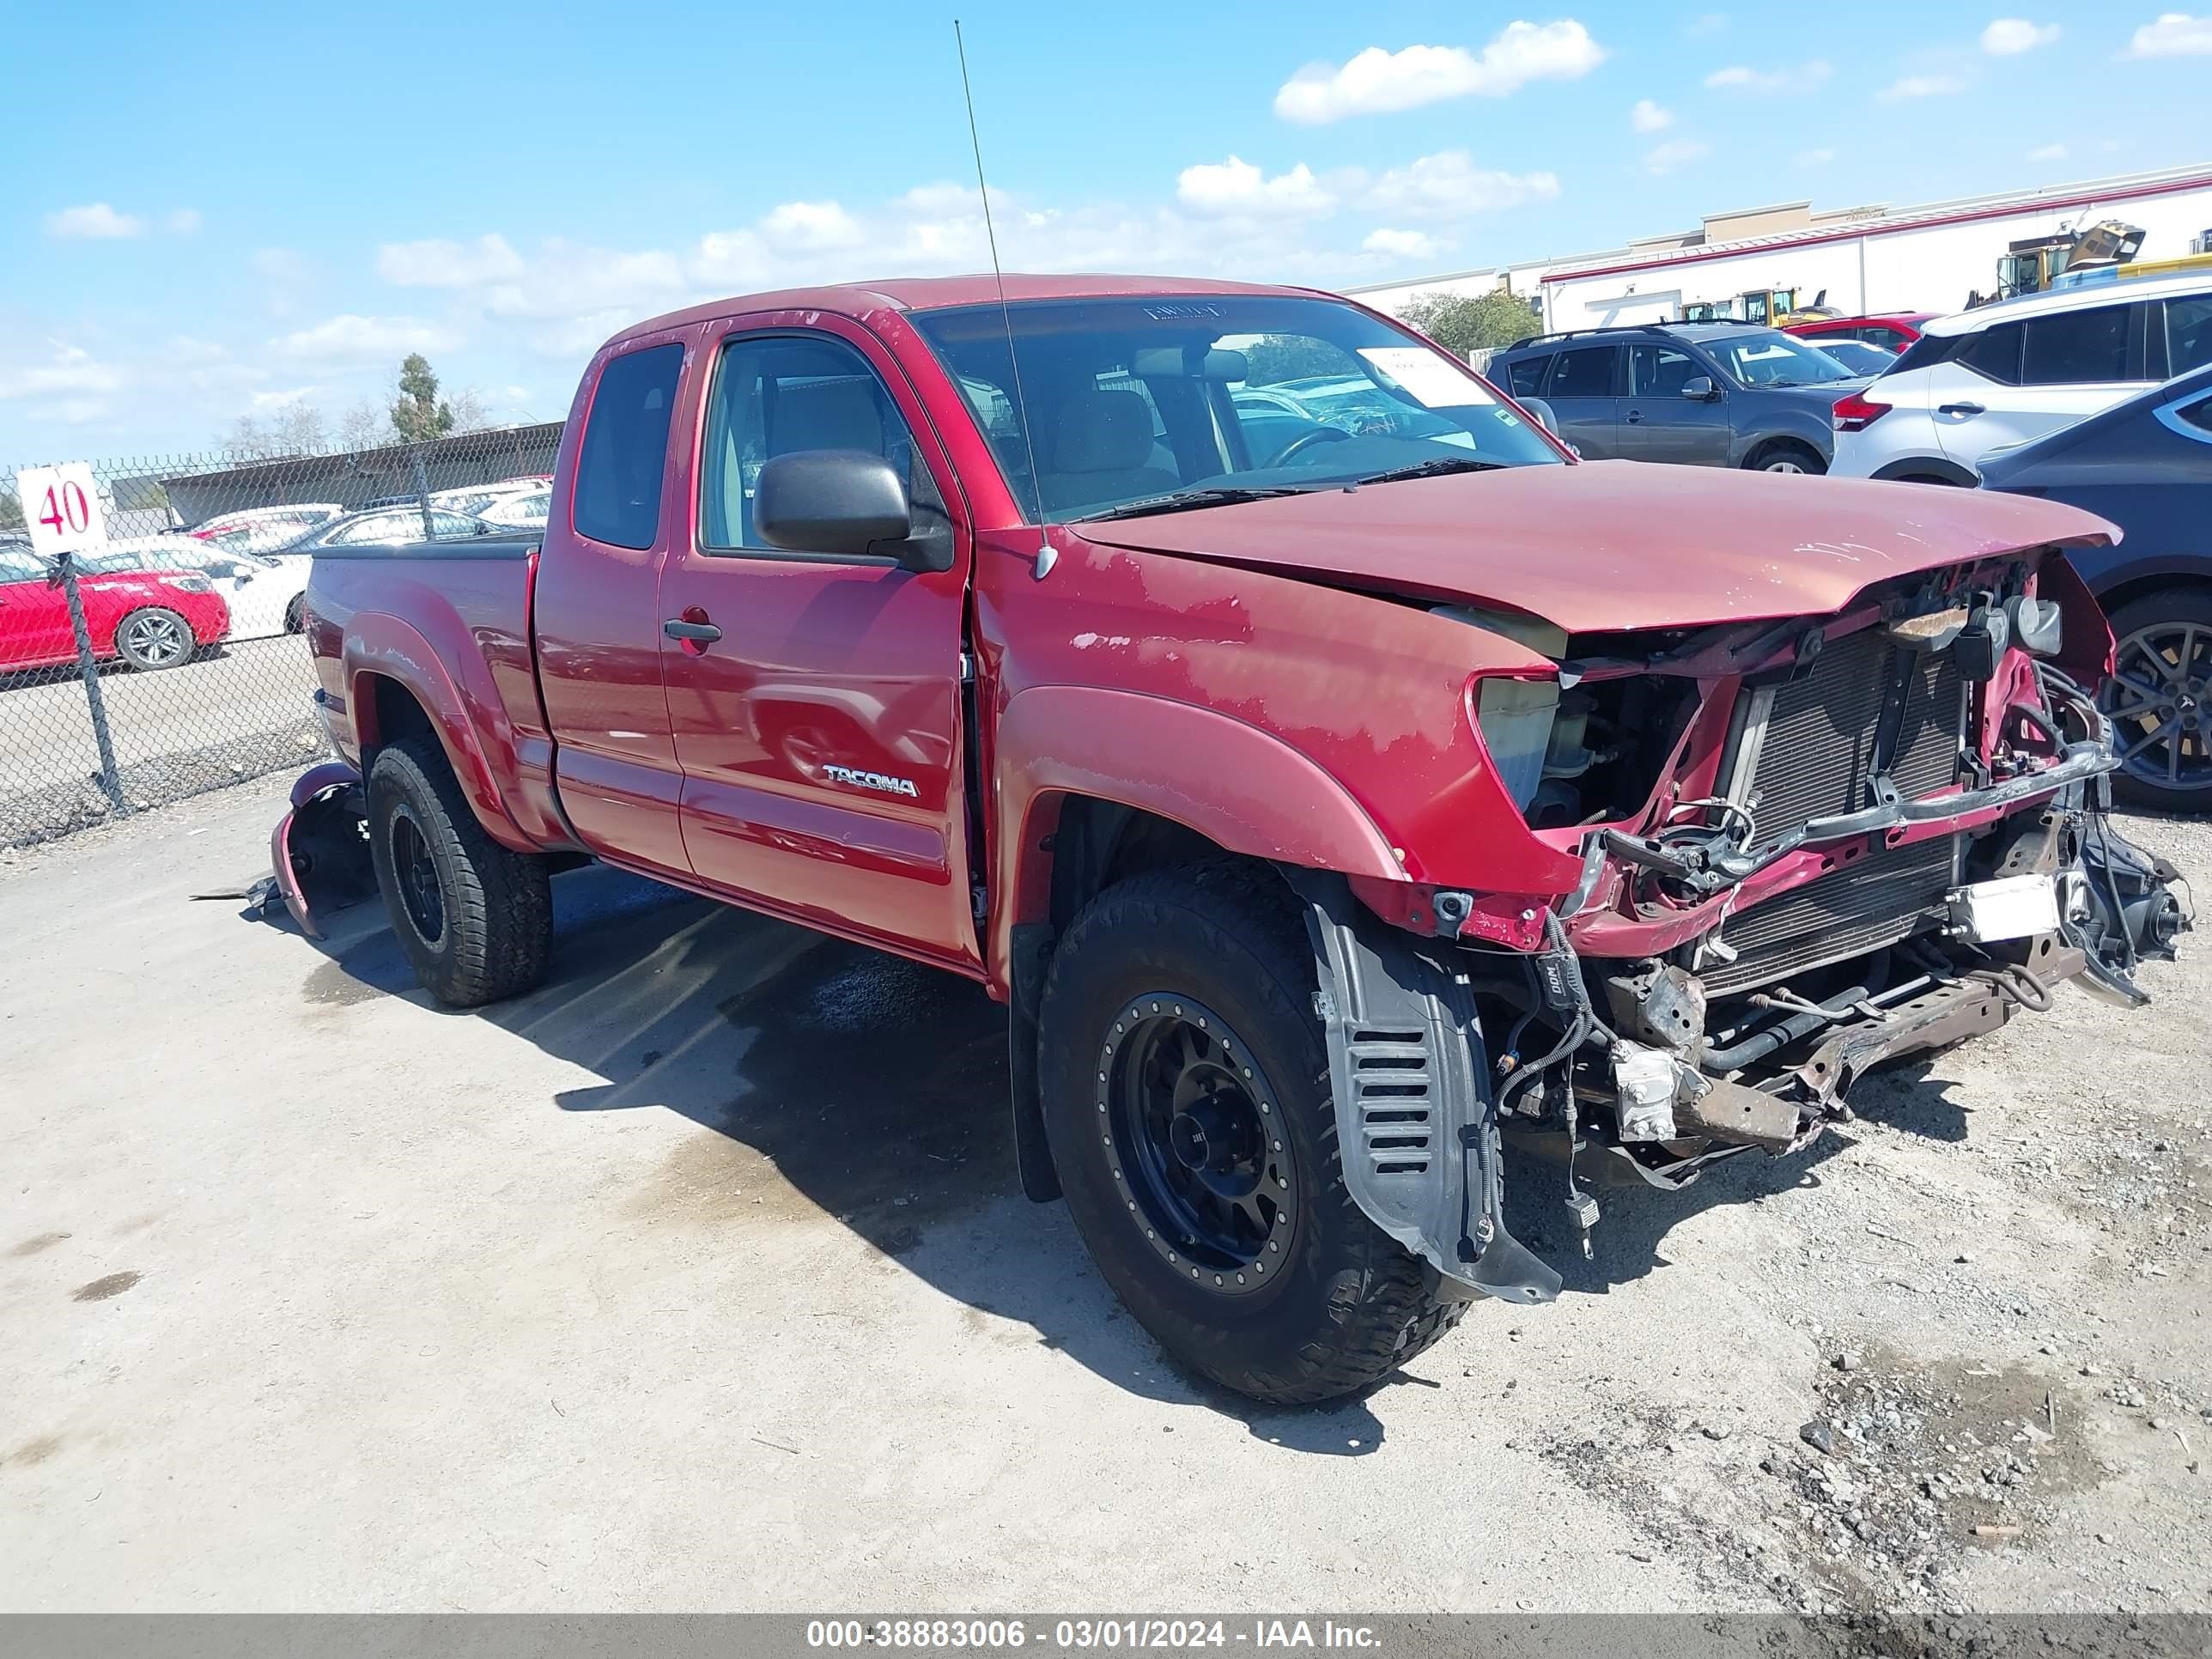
(1988, 378)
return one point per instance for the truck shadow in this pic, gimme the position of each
(827, 1078)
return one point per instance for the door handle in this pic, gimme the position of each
(1634, 417)
(697, 633)
(1960, 409)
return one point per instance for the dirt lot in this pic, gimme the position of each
(697, 1280)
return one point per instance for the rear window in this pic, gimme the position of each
(625, 448)
(1587, 373)
(1527, 374)
(1927, 351)
(1994, 353)
(2187, 334)
(2076, 348)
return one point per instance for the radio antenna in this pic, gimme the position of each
(1046, 557)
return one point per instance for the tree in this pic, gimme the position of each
(1276, 358)
(11, 511)
(363, 427)
(290, 428)
(418, 416)
(1462, 323)
(470, 413)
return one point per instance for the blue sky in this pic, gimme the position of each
(230, 207)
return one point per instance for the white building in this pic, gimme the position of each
(1867, 260)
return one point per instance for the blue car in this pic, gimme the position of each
(2146, 465)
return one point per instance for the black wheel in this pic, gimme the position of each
(295, 614)
(475, 919)
(2160, 699)
(155, 638)
(1786, 458)
(1186, 1101)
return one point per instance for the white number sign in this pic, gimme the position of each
(61, 507)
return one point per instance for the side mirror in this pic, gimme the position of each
(844, 502)
(1700, 389)
(1542, 411)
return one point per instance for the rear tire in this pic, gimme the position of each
(2166, 650)
(153, 637)
(1303, 1300)
(295, 614)
(475, 918)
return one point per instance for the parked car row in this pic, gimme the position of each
(149, 618)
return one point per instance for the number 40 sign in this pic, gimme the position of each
(61, 507)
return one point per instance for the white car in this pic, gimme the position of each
(478, 499)
(520, 510)
(2006, 374)
(260, 529)
(265, 594)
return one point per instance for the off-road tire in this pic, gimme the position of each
(1348, 1305)
(496, 906)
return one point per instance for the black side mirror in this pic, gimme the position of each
(845, 503)
(1700, 389)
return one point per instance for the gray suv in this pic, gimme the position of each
(1699, 394)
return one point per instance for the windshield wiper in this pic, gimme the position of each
(1179, 501)
(1436, 469)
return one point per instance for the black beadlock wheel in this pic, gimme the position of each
(475, 918)
(2160, 701)
(1187, 1102)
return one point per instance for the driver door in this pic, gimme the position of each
(1658, 423)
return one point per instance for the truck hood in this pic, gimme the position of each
(1614, 545)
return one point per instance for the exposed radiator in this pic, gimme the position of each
(1809, 744)
(1887, 896)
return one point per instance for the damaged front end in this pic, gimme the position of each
(318, 851)
(1807, 849)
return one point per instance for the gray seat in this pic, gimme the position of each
(1101, 453)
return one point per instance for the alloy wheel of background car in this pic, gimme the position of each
(154, 638)
(2160, 698)
(1206, 1168)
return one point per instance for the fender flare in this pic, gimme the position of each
(470, 729)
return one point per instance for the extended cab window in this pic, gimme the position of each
(2077, 347)
(778, 395)
(625, 449)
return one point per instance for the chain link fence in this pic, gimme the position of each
(170, 661)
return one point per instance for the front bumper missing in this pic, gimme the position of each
(318, 851)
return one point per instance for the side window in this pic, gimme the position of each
(778, 395)
(1659, 371)
(625, 448)
(2075, 348)
(1527, 374)
(1585, 372)
(21, 567)
(2187, 334)
(1994, 353)
(2198, 415)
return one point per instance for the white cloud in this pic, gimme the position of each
(1664, 159)
(441, 264)
(96, 222)
(1376, 82)
(1648, 117)
(1237, 187)
(811, 225)
(2175, 35)
(62, 369)
(1921, 86)
(1448, 184)
(2047, 153)
(1742, 77)
(567, 279)
(2009, 36)
(351, 339)
(1814, 158)
(182, 221)
(262, 402)
(1402, 244)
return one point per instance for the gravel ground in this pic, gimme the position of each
(696, 1280)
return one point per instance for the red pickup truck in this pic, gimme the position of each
(1330, 800)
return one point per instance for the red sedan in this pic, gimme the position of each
(150, 619)
(1892, 332)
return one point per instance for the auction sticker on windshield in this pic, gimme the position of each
(1433, 380)
(61, 507)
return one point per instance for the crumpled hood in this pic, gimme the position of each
(1614, 545)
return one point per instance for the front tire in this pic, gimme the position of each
(475, 918)
(155, 637)
(1187, 1102)
(1788, 457)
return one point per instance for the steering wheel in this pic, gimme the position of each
(1306, 440)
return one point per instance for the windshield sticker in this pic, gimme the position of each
(1434, 382)
(1169, 313)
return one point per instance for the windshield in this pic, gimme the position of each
(1771, 357)
(1132, 400)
